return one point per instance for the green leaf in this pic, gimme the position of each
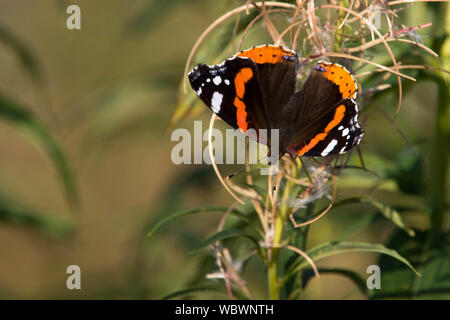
(220, 45)
(431, 257)
(25, 121)
(332, 248)
(385, 210)
(349, 274)
(23, 53)
(50, 226)
(182, 213)
(363, 221)
(226, 234)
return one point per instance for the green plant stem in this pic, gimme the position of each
(280, 219)
(274, 286)
(440, 158)
(440, 155)
(338, 37)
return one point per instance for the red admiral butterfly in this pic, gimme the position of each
(255, 89)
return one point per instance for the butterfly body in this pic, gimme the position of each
(255, 89)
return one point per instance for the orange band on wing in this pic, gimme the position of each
(267, 54)
(338, 116)
(242, 77)
(341, 77)
(241, 114)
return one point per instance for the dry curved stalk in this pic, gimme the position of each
(347, 56)
(236, 26)
(388, 21)
(411, 66)
(297, 181)
(307, 258)
(254, 20)
(393, 3)
(213, 160)
(378, 88)
(226, 275)
(390, 39)
(247, 28)
(296, 35)
(313, 24)
(372, 28)
(291, 26)
(294, 16)
(225, 216)
(248, 193)
(219, 21)
(319, 216)
(419, 45)
(347, 15)
(309, 36)
(226, 258)
(273, 32)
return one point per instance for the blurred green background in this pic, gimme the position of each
(105, 94)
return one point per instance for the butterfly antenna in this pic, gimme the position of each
(235, 173)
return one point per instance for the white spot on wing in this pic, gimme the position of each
(217, 80)
(216, 102)
(330, 147)
(208, 80)
(227, 82)
(345, 132)
(199, 91)
(341, 127)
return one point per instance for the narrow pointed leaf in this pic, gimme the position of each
(26, 122)
(227, 234)
(182, 213)
(333, 248)
(385, 210)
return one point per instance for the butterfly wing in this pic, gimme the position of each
(326, 116)
(277, 67)
(249, 90)
(335, 132)
(232, 91)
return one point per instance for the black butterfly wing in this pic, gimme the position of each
(326, 116)
(277, 67)
(232, 91)
(334, 133)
